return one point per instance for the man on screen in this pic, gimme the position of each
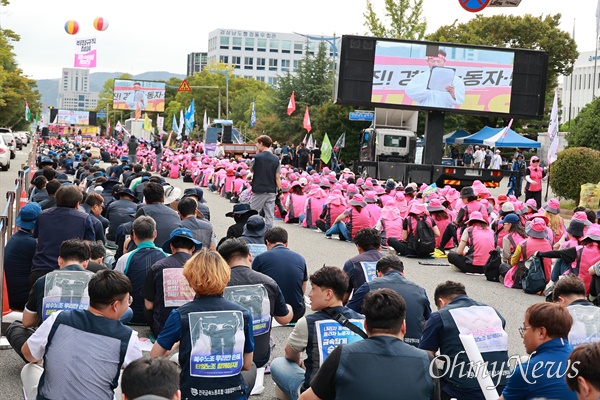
(138, 100)
(418, 87)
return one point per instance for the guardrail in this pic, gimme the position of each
(7, 221)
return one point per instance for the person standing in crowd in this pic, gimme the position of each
(291, 375)
(545, 331)
(238, 257)
(57, 224)
(157, 145)
(208, 275)
(458, 313)
(132, 146)
(496, 160)
(454, 154)
(266, 180)
(286, 267)
(534, 175)
(467, 158)
(478, 157)
(68, 335)
(18, 256)
(390, 275)
(354, 370)
(303, 155)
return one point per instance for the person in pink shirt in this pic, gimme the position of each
(479, 239)
(443, 217)
(390, 222)
(372, 206)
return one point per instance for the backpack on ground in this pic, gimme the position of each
(534, 278)
(491, 269)
(424, 239)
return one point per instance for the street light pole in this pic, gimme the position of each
(224, 72)
(332, 42)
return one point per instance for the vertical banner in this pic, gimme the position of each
(160, 123)
(85, 53)
(217, 343)
(255, 299)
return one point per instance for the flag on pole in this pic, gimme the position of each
(597, 19)
(505, 132)
(306, 123)
(118, 127)
(326, 149)
(147, 123)
(174, 126)
(304, 140)
(292, 104)
(108, 126)
(205, 123)
(310, 144)
(27, 111)
(253, 116)
(190, 117)
(341, 142)
(55, 120)
(181, 125)
(553, 132)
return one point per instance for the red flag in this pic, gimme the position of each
(306, 123)
(291, 105)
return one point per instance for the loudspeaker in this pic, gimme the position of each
(227, 134)
(45, 132)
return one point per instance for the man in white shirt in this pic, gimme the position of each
(496, 160)
(478, 157)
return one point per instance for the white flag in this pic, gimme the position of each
(553, 132)
(181, 125)
(310, 144)
(205, 122)
(597, 19)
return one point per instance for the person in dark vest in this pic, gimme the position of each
(66, 336)
(120, 211)
(368, 243)
(457, 313)
(166, 218)
(150, 378)
(237, 254)
(208, 275)
(135, 264)
(93, 205)
(292, 375)
(194, 220)
(158, 304)
(198, 194)
(354, 371)
(390, 275)
(266, 180)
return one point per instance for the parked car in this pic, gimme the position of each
(24, 137)
(10, 141)
(4, 155)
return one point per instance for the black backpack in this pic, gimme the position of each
(423, 241)
(534, 278)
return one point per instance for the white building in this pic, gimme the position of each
(73, 90)
(261, 55)
(577, 89)
(196, 62)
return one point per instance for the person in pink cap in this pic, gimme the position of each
(406, 246)
(390, 222)
(357, 218)
(442, 217)
(535, 243)
(534, 175)
(373, 206)
(479, 239)
(335, 204)
(552, 211)
(315, 202)
(295, 204)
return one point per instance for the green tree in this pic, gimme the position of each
(585, 128)
(574, 167)
(405, 20)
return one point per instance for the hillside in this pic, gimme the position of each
(49, 87)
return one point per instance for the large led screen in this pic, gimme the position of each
(138, 95)
(434, 76)
(70, 117)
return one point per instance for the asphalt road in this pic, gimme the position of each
(317, 251)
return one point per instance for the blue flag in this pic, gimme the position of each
(189, 117)
(174, 126)
(253, 116)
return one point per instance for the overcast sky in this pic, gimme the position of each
(156, 35)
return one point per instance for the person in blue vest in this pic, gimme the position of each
(545, 330)
(368, 244)
(207, 325)
(136, 263)
(354, 371)
(457, 313)
(390, 275)
(67, 336)
(292, 375)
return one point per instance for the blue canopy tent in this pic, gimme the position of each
(452, 136)
(479, 137)
(512, 139)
